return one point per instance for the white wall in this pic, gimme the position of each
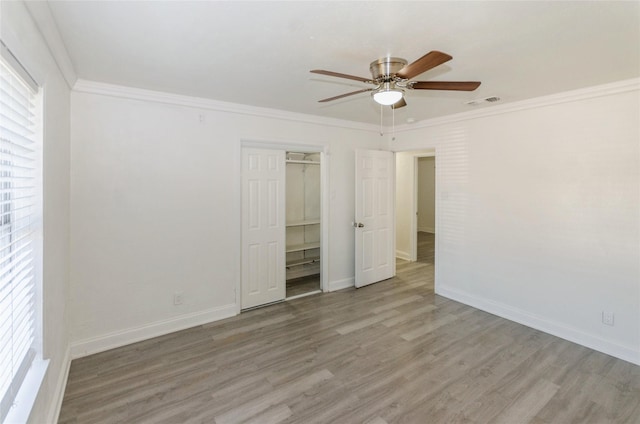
(538, 212)
(426, 194)
(156, 209)
(23, 37)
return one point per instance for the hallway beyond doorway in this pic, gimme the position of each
(426, 247)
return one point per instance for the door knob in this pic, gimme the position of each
(359, 225)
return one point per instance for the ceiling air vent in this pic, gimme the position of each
(477, 102)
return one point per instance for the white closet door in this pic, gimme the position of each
(375, 217)
(263, 226)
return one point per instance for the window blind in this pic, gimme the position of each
(18, 221)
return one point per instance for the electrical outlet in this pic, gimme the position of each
(608, 318)
(177, 298)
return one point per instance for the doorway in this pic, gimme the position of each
(426, 208)
(416, 205)
(303, 213)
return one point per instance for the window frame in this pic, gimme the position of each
(26, 390)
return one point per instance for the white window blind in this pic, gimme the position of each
(19, 219)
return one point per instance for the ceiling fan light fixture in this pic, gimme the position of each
(387, 95)
(391, 76)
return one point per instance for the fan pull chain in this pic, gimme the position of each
(381, 132)
(393, 123)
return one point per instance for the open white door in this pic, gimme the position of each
(375, 216)
(263, 226)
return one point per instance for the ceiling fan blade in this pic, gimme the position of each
(345, 95)
(426, 62)
(400, 103)
(446, 85)
(339, 75)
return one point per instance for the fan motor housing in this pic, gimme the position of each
(385, 68)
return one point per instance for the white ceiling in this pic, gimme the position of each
(260, 53)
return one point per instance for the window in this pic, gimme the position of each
(20, 229)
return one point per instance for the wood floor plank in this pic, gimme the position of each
(273, 415)
(360, 324)
(526, 407)
(428, 328)
(395, 304)
(253, 326)
(392, 352)
(278, 395)
(410, 315)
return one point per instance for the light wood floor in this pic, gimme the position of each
(426, 247)
(392, 352)
(302, 285)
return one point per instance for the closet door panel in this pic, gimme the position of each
(263, 227)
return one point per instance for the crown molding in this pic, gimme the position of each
(537, 102)
(93, 87)
(41, 15)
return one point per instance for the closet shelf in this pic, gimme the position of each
(307, 162)
(304, 222)
(301, 247)
(303, 261)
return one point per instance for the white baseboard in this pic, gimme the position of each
(131, 335)
(626, 353)
(342, 284)
(403, 255)
(61, 385)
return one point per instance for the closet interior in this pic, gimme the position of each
(302, 223)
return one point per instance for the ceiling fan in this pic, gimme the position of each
(392, 76)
